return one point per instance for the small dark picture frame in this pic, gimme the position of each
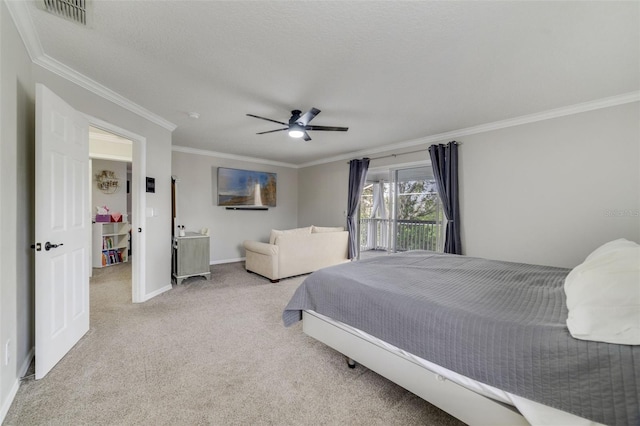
(151, 184)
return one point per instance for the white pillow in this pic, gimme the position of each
(610, 246)
(320, 229)
(276, 233)
(603, 295)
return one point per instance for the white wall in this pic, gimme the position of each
(548, 192)
(17, 118)
(197, 204)
(117, 201)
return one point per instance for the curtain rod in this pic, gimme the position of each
(403, 153)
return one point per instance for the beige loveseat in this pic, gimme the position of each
(297, 251)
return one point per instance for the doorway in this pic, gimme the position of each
(133, 184)
(110, 200)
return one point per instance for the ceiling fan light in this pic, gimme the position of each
(296, 131)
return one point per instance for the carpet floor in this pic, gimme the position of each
(208, 352)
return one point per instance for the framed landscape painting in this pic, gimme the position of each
(238, 188)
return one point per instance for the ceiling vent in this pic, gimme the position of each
(71, 10)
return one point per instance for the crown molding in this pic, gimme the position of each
(85, 82)
(611, 101)
(187, 150)
(496, 125)
(22, 19)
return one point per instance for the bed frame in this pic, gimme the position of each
(462, 403)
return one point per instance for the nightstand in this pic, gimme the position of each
(190, 257)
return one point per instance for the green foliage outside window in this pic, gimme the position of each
(417, 200)
(419, 214)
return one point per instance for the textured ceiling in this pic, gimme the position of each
(391, 71)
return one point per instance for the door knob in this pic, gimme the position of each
(48, 246)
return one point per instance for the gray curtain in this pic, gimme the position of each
(444, 160)
(357, 175)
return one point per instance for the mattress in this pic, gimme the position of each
(499, 323)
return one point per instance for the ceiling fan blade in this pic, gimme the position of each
(308, 116)
(332, 128)
(306, 136)
(268, 119)
(271, 131)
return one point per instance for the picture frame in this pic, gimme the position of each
(246, 188)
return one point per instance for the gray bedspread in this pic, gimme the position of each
(501, 323)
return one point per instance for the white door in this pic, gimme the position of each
(62, 227)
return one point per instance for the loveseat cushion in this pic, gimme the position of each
(275, 233)
(320, 229)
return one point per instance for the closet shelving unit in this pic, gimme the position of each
(110, 243)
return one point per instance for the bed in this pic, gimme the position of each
(484, 340)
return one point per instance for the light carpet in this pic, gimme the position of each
(208, 353)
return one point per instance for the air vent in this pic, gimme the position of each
(71, 10)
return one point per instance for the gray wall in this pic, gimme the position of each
(547, 192)
(197, 204)
(322, 195)
(17, 119)
(541, 192)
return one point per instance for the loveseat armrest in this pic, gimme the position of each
(260, 247)
(262, 258)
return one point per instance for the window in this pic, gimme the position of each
(400, 210)
(418, 210)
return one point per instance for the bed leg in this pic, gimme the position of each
(351, 363)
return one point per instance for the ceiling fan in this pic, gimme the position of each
(299, 124)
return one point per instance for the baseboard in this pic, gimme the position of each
(27, 361)
(6, 404)
(219, 262)
(157, 292)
